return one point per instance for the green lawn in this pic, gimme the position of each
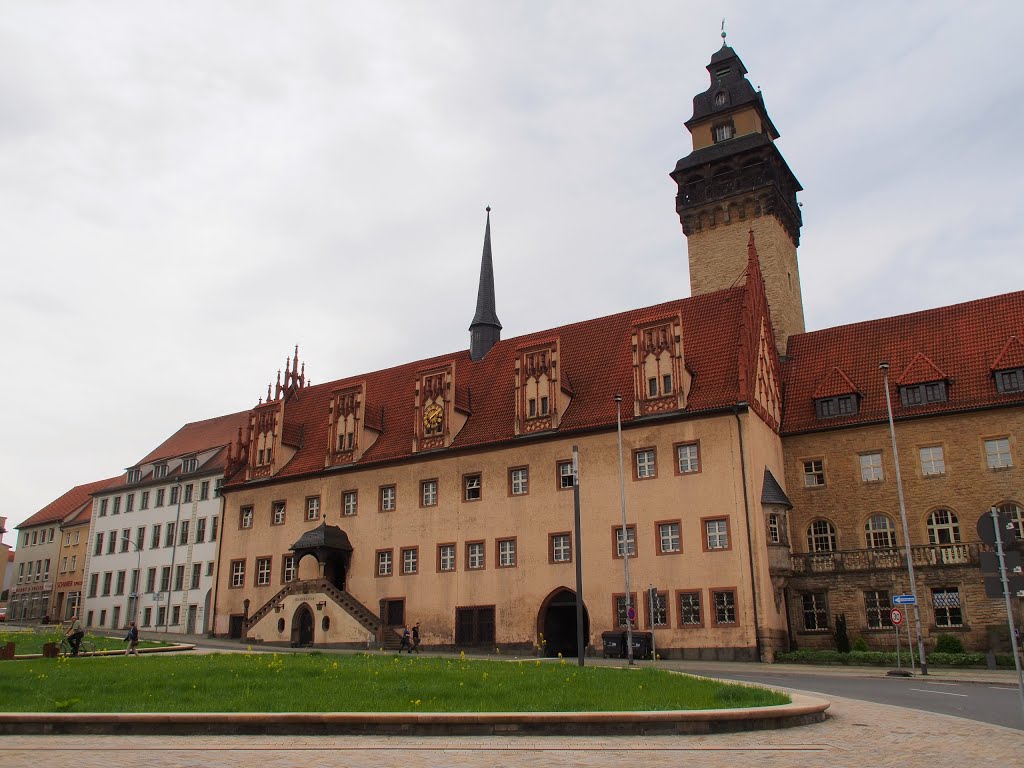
(28, 641)
(352, 683)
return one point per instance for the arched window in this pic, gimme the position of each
(880, 532)
(1016, 514)
(821, 536)
(943, 527)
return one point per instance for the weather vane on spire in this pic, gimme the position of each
(723, 32)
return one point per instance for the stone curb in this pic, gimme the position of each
(117, 652)
(803, 710)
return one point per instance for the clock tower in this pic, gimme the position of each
(735, 182)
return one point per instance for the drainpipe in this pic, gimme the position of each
(211, 619)
(174, 549)
(750, 537)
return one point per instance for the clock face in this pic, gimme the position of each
(432, 416)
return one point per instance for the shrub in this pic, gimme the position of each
(841, 636)
(860, 644)
(949, 644)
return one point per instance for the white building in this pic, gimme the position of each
(152, 548)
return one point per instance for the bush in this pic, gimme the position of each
(888, 658)
(949, 644)
(860, 644)
(842, 638)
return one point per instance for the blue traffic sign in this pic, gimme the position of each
(904, 600)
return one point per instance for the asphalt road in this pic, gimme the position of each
(999, 705)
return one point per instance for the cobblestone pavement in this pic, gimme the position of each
(857, 734)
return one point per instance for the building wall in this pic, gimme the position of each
(70, 576)
(968, 488)
(30, 595)
(518, 593)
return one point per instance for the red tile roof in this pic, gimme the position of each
(836, 382)
(63, 506)
(1010, 356)
(199, 436)
(961, 341)
(920, 371)
(596, 363)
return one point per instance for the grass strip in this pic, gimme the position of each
(32, 642)
(353, 683)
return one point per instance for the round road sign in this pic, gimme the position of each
(631, 613)
(896, 615)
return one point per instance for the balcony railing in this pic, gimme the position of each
(884, 559)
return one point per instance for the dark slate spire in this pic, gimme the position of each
(485, 330)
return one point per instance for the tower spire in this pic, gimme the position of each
(485, 330)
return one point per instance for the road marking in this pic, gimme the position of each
(932, 682)
(941, 693)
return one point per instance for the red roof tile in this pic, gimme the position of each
(596, 363)
(1010, 356)
(920, 371)
(199, 436)
(63, 506)
(836, 382)
(960, 340)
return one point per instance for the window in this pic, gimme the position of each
(880, 532)
(313, 508)
(277, 513)
(169, 535)
(349, 501)
(446, 557)
(204, 490)
(117, 506)
(98, 550)
(997, 453)
(932, 461)
(129, 502)
(644, 464)
(154, 539)
(175, 493)
(165, 578)
(519, 481)
(472, 487)
(384, 558)
(428, 493)
(721, 99)
(245, 517)
(814, 473)
(923, 394)
(871, 467)
(262, 571)
(179, 578)
(561, 547)
(946, 604)
(217, 485)
(119, 588)
(724, 132)
(147, 617)
(475, 555)
(821, 536)
(189, 464)
(74, 560)
(176, 615)
(410, 561)
(474, 626)
(566, 478)
(815, 612)
(831, 407)
(287, 568)
(1010, 380)
(237, 573)
(624, 541)
(656, 609)
(134, 475)
(506, 553)
(126, 538)
(183, 532)
(716, 533)
(151, 580)
(687, 458)
(94, 581)
(1016, 514)
(877, 608)
(943, 527)
(622, 608)
(668, 537)
(201, 530)
(160, 471)
(111, 542)
(144, 503)
(107, 578)
(690, 613)
(159, 497)
(161, 616)
(778, 530)
(725, 606)
(387, 498)
(213, 527)
(76, 538)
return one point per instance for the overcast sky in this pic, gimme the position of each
(189, 189)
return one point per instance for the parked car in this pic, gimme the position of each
(3, 614)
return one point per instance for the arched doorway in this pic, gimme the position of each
(556, 620)
(332, 551)
(302, 626)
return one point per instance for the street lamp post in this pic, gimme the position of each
(138, 577)
(625, 530)
(174, 550)
(903, 519)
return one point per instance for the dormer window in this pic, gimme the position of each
(160, 471)
(134, 475)
(923, 394)
(189, 465)
(832, 407)
(723, 131)
(721, 98)
(1010, 380)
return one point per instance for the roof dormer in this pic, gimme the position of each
(440, 410)
(922, 383)
(541, 398)
(1008, 367)
(836, 395)
(349, 436)
(661, 381)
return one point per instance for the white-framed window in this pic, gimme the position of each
(814, 473)
(821, 536)
(313, 508)
(688, 458)
(815, 607)
(190, 464)
(200, 530)
(175, 492)
(277, 513)
(943, 528)
(472, 487)
(506, 553)
(387, 498)
(134, 475)
(1016, 514)
(625, 541)
(778, 531)
(183, 532)
(160, 493)
(188, 493)
(129, 503)
(245, 517)
(160, 471)
(871, 467)
(410, 561)
(204, 490)
(288, 568)
(475, 555)
(947, 607)
(262, 571)
(144, 503)
(997, 453)
(349, 503)
(237, 574)
(74, 559)
(428, 493)
(566, 479)
(668, 537)
(384, 562)
(725, 606)
(561, 548)
(932, 461)
(690, 613)
(446, 557)
(724, 132)
(645, 464)
(716, 533)
(519, 481)
(880, 532)
(117, 506)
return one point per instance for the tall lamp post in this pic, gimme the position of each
(903, 519)
(138, 576)
(625, 530)
(174, 550)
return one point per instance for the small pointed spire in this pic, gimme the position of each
(485, 330)
(723, 33)
(302, 376)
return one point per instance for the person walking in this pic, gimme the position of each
(406, 644)
(74, 634)
(132, 638)
(415, 638)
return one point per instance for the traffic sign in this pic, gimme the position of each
(631, 613)
(904, 600)
(896, 615)
(1007, 529)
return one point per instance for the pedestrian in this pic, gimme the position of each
(415, 638)
(132, 638)
(406, 645)
(74, 634)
